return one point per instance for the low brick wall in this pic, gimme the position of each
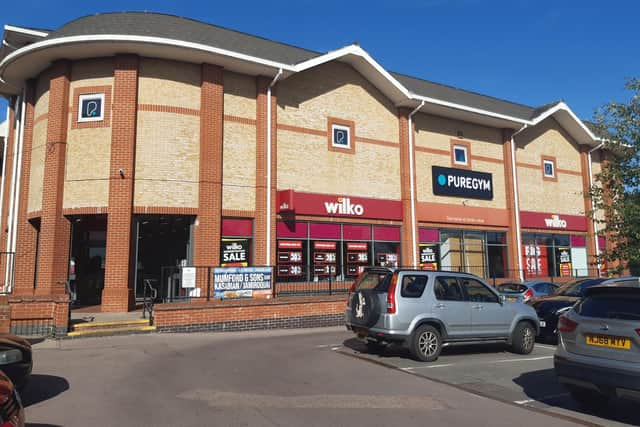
(43, 316)
(244, 315)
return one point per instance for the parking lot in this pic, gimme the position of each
(492, 371)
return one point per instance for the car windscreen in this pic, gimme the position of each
(625, 306)
(511, 288)
(576, 288)
(374, 280)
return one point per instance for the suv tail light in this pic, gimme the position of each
(528, 295)
(638, 331)
(391, 295)
(566, 325)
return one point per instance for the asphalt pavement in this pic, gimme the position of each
(272, 378)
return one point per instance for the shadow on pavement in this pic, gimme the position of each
(544, 387)
(395, 350)
(43, 387)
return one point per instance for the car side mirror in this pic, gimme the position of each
(502, 299)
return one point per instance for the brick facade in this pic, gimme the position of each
(207, 229)
(53, 262)
(118, 294)
(27, 238)
(409, 229)
(511, 195)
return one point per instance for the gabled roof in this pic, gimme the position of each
(173, 37)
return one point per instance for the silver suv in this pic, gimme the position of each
(426, 310)
(598, 354)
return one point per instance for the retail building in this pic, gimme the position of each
(140, 141)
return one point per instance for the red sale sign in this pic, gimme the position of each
(535, 261)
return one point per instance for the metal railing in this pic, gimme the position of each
(148, 301)
(170, 286)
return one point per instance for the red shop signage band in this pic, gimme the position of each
(337, 206)
(550, 221)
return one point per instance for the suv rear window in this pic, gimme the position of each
(512, 288)
(374, 280)
(620, 306)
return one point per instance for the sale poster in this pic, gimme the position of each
(535, 261)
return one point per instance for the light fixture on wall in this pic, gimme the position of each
(121, 172)
(460, 134)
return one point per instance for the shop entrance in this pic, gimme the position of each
(86, 266)
(162, 241)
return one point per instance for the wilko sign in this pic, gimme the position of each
(555, 222)
(328, 205)
(344, 207)
(546, 221)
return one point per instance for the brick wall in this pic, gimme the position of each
(511, 194)
(248, 315)
(408, 251)
(46, 315)
(55, 228)
(117, 294)
(26, 241)
(207, 231)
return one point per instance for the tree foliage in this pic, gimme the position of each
(617, 189)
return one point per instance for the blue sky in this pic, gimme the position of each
(527, 51)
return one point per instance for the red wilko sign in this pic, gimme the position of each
(550, 221)
(357, 246)
(324, 245)
(338, 206)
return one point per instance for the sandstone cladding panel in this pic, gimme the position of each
(239, 172)
(167, 155)
(305, 164)
(172, 83)
(239, 95)
(336, 90)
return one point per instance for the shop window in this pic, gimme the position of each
(549, 168)
(386, 254)
(91, 107)
(341, 135)
(554, 255)
(292, 259)
(234, 252)
(357, 257)
(325, 260)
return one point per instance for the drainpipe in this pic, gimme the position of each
(516, 200)
(12, 194)
(273, 82)
(412, 185)
(14, 230)
(4, 162)
(593, 205)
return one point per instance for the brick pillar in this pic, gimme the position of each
(586, 191)
(511, 194)
(118, 293)
(8, 174)
(26, 240)
(55, 229)
(207, 230)
(407, 248)
(262, 230)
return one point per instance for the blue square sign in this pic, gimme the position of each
(341, 137)
(91, 107)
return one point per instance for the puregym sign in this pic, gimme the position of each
(462, 183)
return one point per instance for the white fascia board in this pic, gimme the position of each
(564, 107)
(356, 51)
(3, 129)
(139, 39)
(25, 31)
(420, 98)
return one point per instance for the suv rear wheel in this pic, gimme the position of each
(426, 343)
(523, 339)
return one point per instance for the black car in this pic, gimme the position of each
(551, 307)
(15, 359)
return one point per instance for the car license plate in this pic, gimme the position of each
(609, 341)
(543, 324)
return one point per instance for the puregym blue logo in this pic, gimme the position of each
(442, 180)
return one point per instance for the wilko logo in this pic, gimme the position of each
(344, 207)
(555, 222)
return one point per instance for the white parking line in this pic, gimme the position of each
(550, 347)
(543, 398)
(521, 359)
(428, 366)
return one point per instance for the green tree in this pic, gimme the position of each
(617, 189)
